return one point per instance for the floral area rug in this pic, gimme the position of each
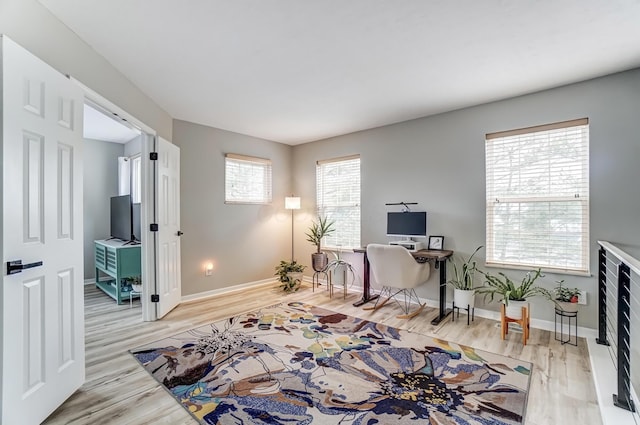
(299, 364)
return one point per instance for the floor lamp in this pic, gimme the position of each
(292, 203)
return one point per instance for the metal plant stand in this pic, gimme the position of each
(470, 312)
(564, 319)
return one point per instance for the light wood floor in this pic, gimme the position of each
(118, 391)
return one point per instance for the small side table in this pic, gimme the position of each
(564, 318)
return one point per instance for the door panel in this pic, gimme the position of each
(43, 306)
(168, 207)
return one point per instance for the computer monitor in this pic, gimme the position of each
(409, 224)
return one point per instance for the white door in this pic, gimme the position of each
(168, 216)
(42, 306)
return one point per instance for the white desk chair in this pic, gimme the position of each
(397, 271)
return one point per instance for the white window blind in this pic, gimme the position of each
(538, 197)
(338, 198)
(247, 180)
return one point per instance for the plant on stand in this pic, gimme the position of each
(462, 281)
(318, 230)
(290, 275)
(513, 295)
(566, 299)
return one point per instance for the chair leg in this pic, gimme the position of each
(385, 292)
(409, 296)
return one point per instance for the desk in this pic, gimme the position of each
(438, 257)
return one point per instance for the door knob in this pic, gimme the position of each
(16, 266)
(179, 233)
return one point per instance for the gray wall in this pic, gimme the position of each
(438, 162)
(100, 184)
(133, 147)
(32, 26)
(244, 242)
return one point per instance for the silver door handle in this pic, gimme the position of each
(16, 266)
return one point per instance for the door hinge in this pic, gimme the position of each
(153, 156)
(153, 227)
(155, 298)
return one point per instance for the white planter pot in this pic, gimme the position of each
(463, 298)
(568, 307)
(514, 309)
(136, 287)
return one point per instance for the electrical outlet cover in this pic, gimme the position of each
(582, 298)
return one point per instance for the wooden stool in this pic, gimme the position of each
(523, 322)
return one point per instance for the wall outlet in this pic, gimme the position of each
(582, 298)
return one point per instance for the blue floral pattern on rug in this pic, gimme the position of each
(299, 364)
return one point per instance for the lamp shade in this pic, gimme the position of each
(292, 203)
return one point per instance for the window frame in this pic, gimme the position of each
(262, 164)
(532, 203)
(355, 238)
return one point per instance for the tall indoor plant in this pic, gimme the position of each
(318, 230)
(463, 274)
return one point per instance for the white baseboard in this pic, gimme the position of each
(235, 288)
(495, 315)
(90, 281)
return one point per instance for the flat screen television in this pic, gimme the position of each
(135, 222)
(121, 218)
(408, 224)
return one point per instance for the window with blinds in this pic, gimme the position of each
(247, 180)
(338, 198)
(538, 197)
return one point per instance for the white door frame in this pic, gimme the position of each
(146, 211)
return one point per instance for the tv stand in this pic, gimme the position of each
(119, 261)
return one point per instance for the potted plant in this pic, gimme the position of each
(462, 281)
(513, 296)
(290, 275)
(318, 230)
(566, 299)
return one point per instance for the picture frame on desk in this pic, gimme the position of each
(436, 243)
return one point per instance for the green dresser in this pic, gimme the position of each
(117, 261)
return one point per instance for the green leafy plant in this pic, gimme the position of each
(318, 230)
(282, 271)
(464, 272)
(506, 290)
(564, 294)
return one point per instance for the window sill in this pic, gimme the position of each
(544, 270)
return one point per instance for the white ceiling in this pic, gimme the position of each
(295, 71)
(99, 126)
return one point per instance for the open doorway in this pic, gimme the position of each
(112, 205)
